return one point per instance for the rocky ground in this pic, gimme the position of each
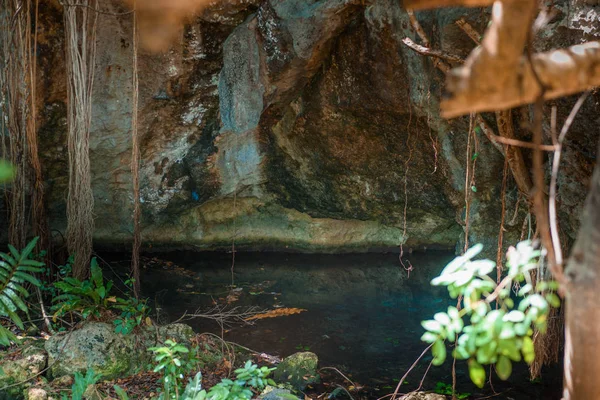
(43, 368)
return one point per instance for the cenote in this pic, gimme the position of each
(363, 313)
(259, 164)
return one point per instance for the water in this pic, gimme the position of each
(363, 312)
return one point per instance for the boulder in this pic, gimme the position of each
(97, 346)
(36, 394)
(16, 369)
(299, 369)
(424, 396)
(271, 393)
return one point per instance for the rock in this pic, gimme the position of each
(91, 393)
(180, 333)
(63, 381)
(36, 394)
(424, 396)
(299, 369)
(29, 363)
(271, 393)
(112, 355)
(315, 114)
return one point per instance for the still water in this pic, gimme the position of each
(363, 312)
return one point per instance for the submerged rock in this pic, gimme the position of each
(299, 369)
(20, 369)
(112, 355)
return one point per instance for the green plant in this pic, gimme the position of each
(90, 297)
(174, 361)
(193, 390)
(497, 335)
(133, 312)
(16, 271)
(121, 392)
(7, 172)
(446, 389)
(81, 383)
(87, 298)
(250, 376)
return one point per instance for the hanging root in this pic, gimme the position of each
(80, 29)
(135, 166)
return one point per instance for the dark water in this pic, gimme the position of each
(363, 313)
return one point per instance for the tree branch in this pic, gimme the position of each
(562, 72)
(426, 51)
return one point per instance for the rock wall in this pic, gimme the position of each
(296, 125)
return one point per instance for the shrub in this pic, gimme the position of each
(16, 271)
(497, 335)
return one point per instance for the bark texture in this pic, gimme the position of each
(582, 358)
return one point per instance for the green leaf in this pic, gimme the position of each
(442, 318)
(7, 172)
(121, 392)
(432, 326)
(476, 373)
(514, 316)
(96, 273)
(528, 350)
(429, 337)
(504, 368)
(439, 353)
(553, 299)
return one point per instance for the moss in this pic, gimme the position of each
(299, 369)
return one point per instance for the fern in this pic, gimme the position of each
(88, 297)
(16, 271)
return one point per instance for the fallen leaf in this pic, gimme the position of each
(280, 312)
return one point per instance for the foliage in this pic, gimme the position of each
(90, 297)
(193, 390)
(121, 392)
(250, 376)
(7, 172)
(175, 361)
(16, 271)
(446, 390)
(81, 383)
(500, 335)
(133, 314)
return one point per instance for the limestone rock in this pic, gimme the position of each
(97, 346)
(271, 393)
(31, 361)
(65, 381)
(36, 394)
(315, 115)
(424, 396)
(180, 333)
(299, 369)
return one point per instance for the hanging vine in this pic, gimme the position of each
(80, 19)
(15, 85)
(135, 164)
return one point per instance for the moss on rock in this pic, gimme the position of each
(299, 369)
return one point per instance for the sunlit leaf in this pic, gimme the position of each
(503, 368)
(476, 373)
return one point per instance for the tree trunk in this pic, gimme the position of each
(582, 332)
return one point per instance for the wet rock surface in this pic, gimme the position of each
(294, 125)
